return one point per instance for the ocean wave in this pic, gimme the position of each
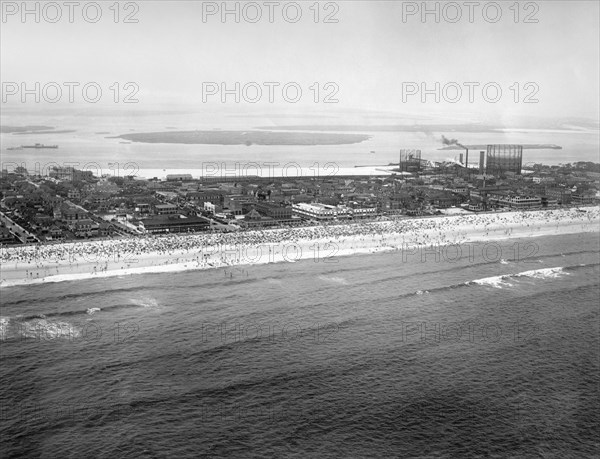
(500, 281)
(546, 273)
(503, 280)
(145, 302)
(73, 296)
(134, 303)
(493, 281)
(454, 268)
(334, 279)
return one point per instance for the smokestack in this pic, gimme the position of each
(460, 158)
(467, 157)
(481, 162)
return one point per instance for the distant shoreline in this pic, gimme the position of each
(247, 138)
(5, 129)
(36, 132)
(526, 146)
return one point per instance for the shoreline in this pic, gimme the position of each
(104, 259)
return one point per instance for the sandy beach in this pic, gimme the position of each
(448, 236)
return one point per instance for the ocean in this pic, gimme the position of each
(493, 354)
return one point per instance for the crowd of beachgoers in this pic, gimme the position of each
(202, 247)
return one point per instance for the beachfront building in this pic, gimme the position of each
(475, 207)
(254, 219)
(587, 197)
(315, 211)
(443, 200)
(276, 211)
(517, 202)
(549, 202)
(84, 228)
(361, 212)
(173, 224)
(321, 212)
(562, 195)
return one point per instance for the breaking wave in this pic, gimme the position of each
(333, 279)
(503, 281)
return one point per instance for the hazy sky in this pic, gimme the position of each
(368, 54)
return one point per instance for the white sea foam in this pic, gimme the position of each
(336, 280)
(502, 281)
(145, 302)
(92, 310)
(546, 273)
(494, 281)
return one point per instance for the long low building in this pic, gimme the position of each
(315, 211)
(173, 224)
(319, 211)
(516, 201)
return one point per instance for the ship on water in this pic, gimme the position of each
(14, 148)
(39, 145)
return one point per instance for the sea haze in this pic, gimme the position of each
(91, 139)
(324, 358)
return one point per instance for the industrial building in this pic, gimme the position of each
(504, 158)
(410, 160)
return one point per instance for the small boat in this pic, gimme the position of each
(39, 145)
